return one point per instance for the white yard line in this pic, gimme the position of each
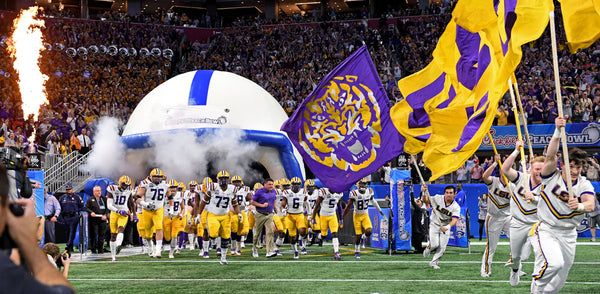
(318, 280)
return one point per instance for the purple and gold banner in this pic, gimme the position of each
(343, 128)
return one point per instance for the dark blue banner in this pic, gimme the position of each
(381, 228)
(401, 210)
(578, 134)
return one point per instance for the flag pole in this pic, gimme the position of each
(518, 96)
(563, 135)
(500, 165)
(519, 135)
(423, 183)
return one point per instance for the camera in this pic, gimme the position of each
(64, 255)
(11, 158)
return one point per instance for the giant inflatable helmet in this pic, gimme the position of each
(205, 100)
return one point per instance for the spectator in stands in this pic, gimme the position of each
(476, 172)
(85, 141)
(502, 115)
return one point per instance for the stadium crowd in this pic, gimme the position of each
(288, 61)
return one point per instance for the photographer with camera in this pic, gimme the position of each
(18, 226)
(57, 259)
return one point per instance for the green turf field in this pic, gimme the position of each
(317, 272)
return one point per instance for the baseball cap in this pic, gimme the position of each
(68, 186)
(476, 160)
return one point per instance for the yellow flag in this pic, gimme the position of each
(581, 19)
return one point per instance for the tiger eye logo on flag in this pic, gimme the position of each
(343, 129)
(342, 126)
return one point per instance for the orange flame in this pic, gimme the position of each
(25, 47)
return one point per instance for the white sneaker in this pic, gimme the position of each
(171, 256)
(254, 253)
(434, 265)
(514, 278)
(485, 275)
(426, 252)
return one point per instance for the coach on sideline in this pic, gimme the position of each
(264, 201)
(44, 278)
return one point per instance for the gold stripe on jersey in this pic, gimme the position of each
(555, 212)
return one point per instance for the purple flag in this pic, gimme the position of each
(343, 129)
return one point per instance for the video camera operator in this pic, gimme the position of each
(19, 232)
(16, 165)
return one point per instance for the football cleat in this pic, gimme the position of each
(357, 255)
(242, 245)
(296, 255)
(177, 251)
(303, 252)
(434, 265)
(223, 261)
(157, 254)
(114, 259)
(218, 252)
(271, 254)
(171, 256)
(277, 252)
(238, 253)
(206, 255)
(485, 275)
(522, 273)
(254, 253)
(426, 252)
(336, 256)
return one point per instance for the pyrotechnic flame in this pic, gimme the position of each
(25, 47)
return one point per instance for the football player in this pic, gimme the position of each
(122, 207)
(361, 198)
(173, 222)
(218, 199)
(279, 217)
(313, 224)
(242, 226)
(327, 205)
(294, 201)
(189, 197)
(151, 196)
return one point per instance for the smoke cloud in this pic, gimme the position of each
(180, 154)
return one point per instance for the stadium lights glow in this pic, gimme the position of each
(308, 3)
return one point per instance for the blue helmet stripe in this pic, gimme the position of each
(199, 87)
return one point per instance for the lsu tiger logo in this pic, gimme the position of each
(342, 125)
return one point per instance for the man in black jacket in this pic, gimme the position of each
(420, 222)
(97, 220)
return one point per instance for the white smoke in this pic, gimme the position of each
(183, 156)
(180, 154)
(108, 155)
